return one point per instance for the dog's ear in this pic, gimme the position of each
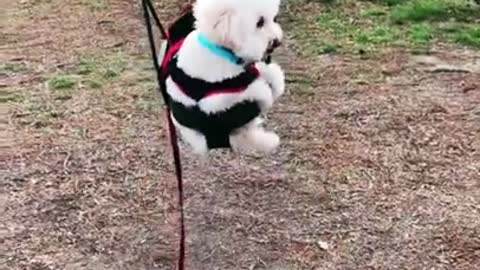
(222, 26)
(214, 18)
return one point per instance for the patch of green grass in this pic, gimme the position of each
(373, 24)
(461, 33)
(114, 66)
(328, 48)
(420, 34)
(107, 67)
(95, 71)
(335, 23)
(419, 11)
(62, 82)
(87, 66)
(62, 86)
(433, 10)
(379, 35)
(469, 36)
(344, 30)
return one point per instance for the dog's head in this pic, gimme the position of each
(248, 27)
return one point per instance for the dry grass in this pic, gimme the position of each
(379, 169)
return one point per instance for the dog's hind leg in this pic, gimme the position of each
(254, 138)
(193, 138)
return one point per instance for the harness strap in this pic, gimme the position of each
(198, 89)
(148, 11)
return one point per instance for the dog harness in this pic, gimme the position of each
(216, 127)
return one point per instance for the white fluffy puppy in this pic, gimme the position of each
(248, 28)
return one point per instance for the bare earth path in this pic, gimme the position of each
(379, 167)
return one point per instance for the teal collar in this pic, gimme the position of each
(219, 50)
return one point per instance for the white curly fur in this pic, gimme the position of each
(232, 24)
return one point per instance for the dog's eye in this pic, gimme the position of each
(275, 19)
(261, 22)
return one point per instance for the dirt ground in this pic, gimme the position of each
(379, 166)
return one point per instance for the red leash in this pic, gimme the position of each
(149, 12)
(178, 171)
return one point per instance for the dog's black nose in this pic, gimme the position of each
(276, 43)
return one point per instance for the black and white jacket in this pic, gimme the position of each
(214, 108)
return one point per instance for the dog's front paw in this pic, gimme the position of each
(277, 80)
(274, 76)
